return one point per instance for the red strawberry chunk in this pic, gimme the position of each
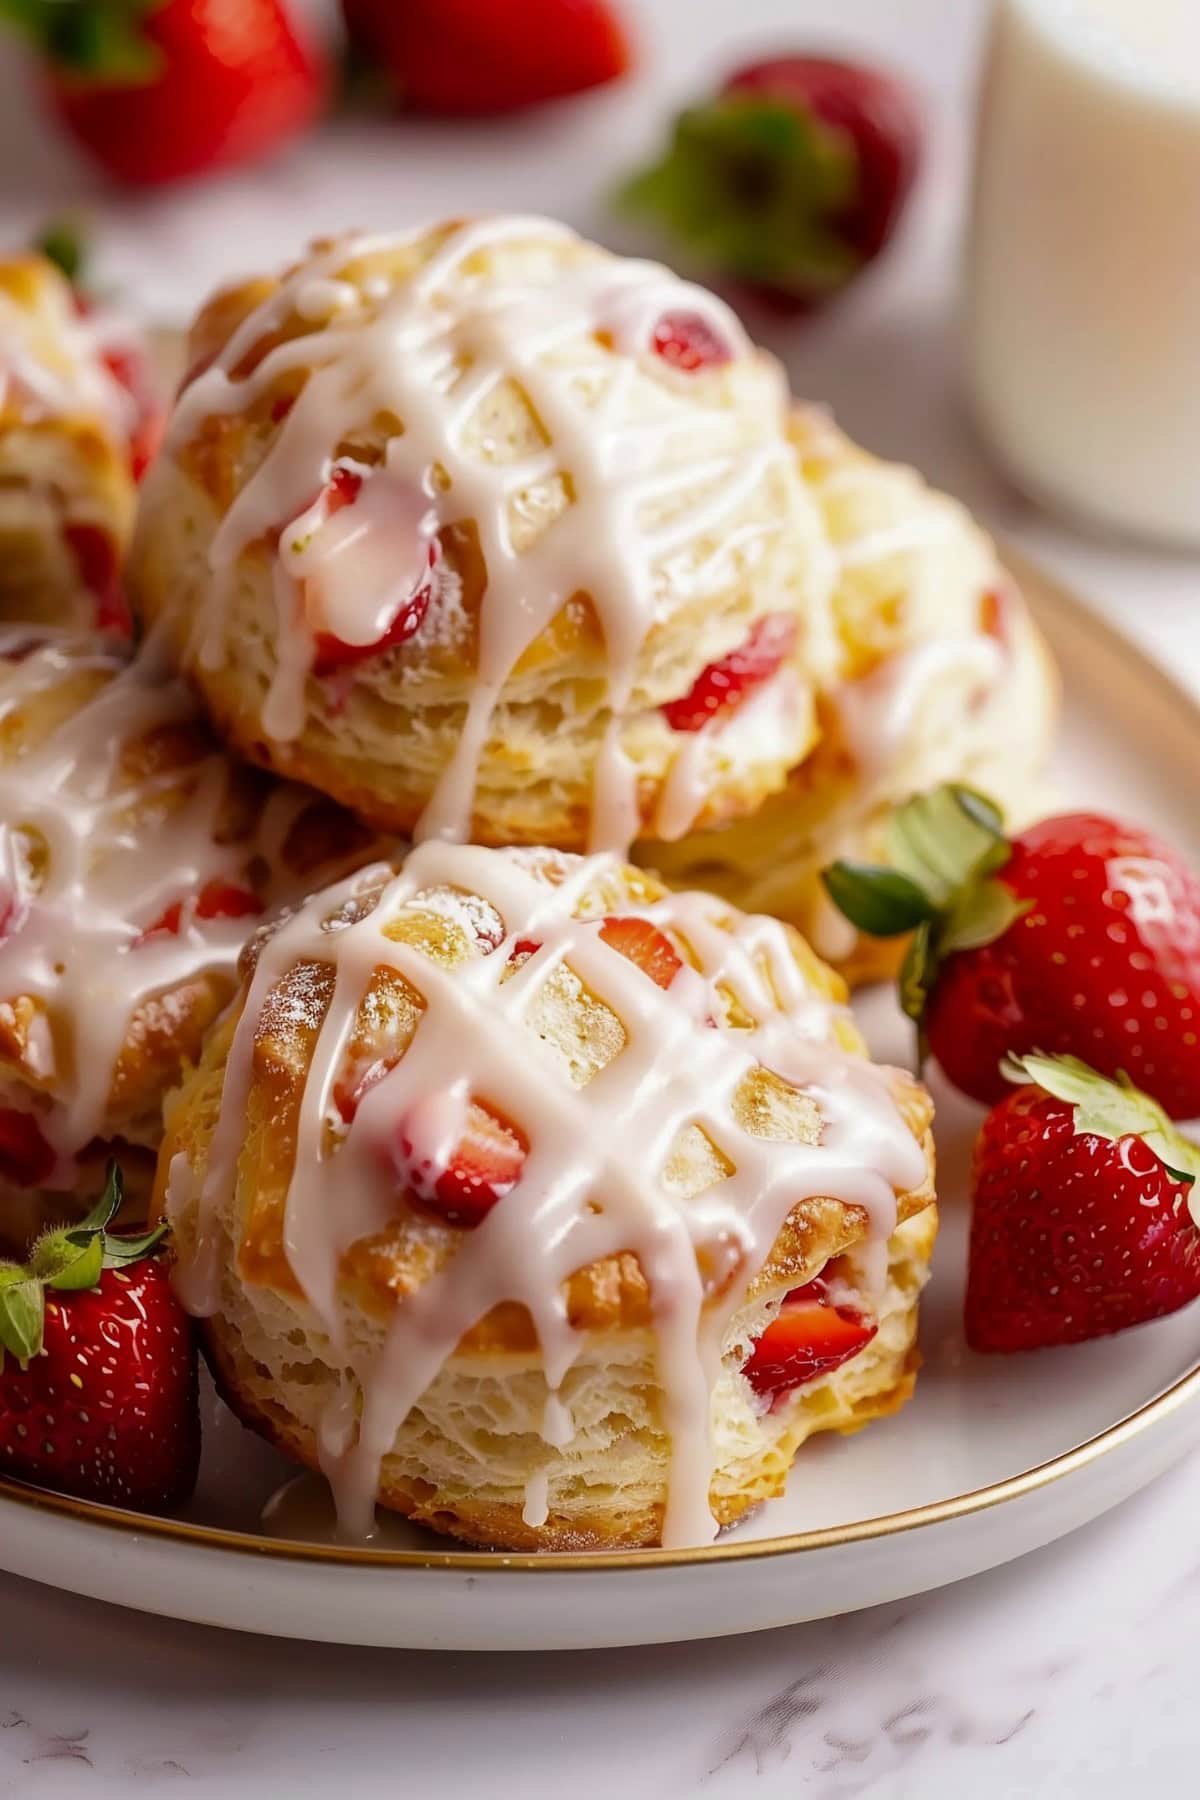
(687, 341)
(96, 560)
(486, 1165)
(808, 1338)
(330, 653)
(1073, 1235)
(216, 900)
(26, 1159)
(128, 366)
(644, 944)
(109, 1410)
(724, 685)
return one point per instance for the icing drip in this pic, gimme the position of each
(95, 854)
(431, 352)
(592, 1183)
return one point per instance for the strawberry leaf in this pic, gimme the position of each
(982, 914)
(944, 848)
(945, 840)
(1113, 1110)
(22, 1313)
(880, 901)
(118, 1251)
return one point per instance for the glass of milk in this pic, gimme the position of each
(1083, 274)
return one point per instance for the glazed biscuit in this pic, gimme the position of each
(494, 536)
(544, 1206)
(942, 676)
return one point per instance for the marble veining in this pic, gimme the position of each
(1065, 1674)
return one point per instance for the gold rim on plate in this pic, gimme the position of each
(1170, 1401)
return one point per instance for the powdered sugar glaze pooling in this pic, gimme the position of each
(429, 351)
(592, 1184)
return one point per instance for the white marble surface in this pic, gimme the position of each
(1069, 1673)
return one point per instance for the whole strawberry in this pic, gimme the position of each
(791, 180)
(475, 57)
(1081, 935)
(98, 1380)
(1085, 1211)
(160, 90)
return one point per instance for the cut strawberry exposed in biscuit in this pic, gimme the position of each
(809, 1337)
(331, 652)
(644, 944)
(216, 900)
(95, 557)
(726, 684)
(485, 1166)
(687, 341)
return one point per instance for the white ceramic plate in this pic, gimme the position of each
(994, 1456)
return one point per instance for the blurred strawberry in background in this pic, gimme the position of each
(791, 180)
(472, 57)
(161, 90)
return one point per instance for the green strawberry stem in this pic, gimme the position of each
(1112, 1110)
(66, 1259)
(944, 849)
(755, 188)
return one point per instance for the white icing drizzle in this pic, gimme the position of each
(430, 351)
(592, 1183)
(81, 383)
(91, 856)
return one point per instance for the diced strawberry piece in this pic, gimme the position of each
(687, 341)
(809, 1337)
(216, 900)
(725, 684)
(485, 1166)
(96, 560)
(345, 485)
(355, 1082)
(26, 1159)
(330, 653)
(644, 944)
(128, 367)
